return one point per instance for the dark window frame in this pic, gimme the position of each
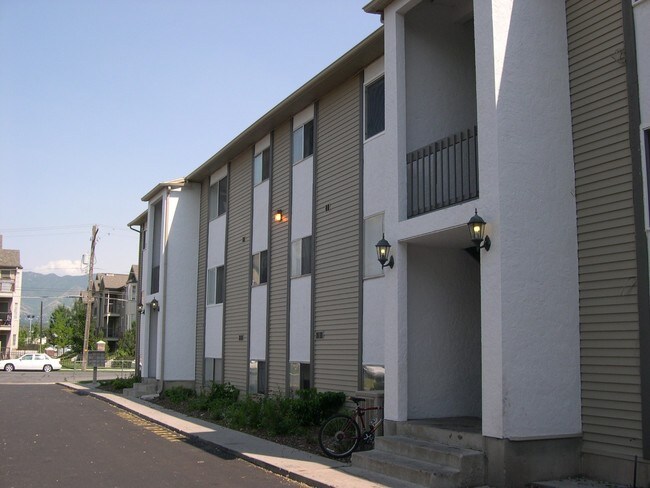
(263, 267)
(375, 108)
(261, 174)
(305, 135)
(218, 198)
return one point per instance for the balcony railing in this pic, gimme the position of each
(7, 286)
(443, 173)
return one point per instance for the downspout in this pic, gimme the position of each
(164, 294)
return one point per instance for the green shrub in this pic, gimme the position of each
(276, 416)
(199, 403)
(244, 414)
(226, 393)
(118, 384)
(178, 394)
(311, 407)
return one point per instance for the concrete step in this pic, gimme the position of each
(466, 460)
(450, 434)
(407, 470)
(148, 387)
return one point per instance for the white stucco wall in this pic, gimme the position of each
(258, 323)
(261, 217)
(216, 257)
(374, 202)
(178, 291)
(440, 77)
(214, 331)
(373, 322)
(444, 333)
(144, 319)
(302, 188)
(530, 334)
(304, 116)
(300, 320)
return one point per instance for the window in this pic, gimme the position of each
(257, 377)
(373, 377)
(303, 141)
(301, 257)
(373, 227)
(375, 116)
(213, 371)
(218, 199)
(216, 289)
(261, 166)
(299, 376)
(260, 268)
(156, 248)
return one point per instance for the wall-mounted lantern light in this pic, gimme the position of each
(277, 215)
(476, 226)
(383, 253)
(154, 304)
(140, 308)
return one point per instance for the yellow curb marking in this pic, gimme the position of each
(170, 435)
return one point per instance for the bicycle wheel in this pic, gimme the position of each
(339, 436)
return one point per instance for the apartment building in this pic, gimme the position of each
(11, 278)
(524, 349)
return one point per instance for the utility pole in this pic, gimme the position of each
(89, 297)
(40, 332)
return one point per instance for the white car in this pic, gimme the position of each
(31, 362)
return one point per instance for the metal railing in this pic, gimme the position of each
(443, 173)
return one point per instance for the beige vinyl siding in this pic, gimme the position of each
(337, 240)
(278, 256)
(609, 325)
(238, 284)
(199, 362)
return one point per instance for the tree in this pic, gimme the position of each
(126, 345)
(67, 327)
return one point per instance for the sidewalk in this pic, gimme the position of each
(297, 465)
(316, 471)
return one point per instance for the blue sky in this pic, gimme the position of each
(102, 99)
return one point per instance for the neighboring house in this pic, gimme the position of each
(11, 278)
(131, 312)
(260, 267)
(110, 307)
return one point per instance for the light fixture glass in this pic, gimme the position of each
(383, 253)
(154, 304)
(277, 216)
(476, 226)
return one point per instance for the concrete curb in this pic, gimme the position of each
(283, 460)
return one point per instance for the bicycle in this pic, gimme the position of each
(341, 434)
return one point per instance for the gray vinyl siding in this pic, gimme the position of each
(609, 321)
(200, 285)
(336, 277)
(238, 284)
(278, 258)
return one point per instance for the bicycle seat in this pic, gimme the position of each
(357, 400)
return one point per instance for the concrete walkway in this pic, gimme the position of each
(297, 465)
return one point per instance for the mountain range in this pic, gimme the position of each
(52, 290)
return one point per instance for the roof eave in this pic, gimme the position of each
(177, 183)
(371, 48)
